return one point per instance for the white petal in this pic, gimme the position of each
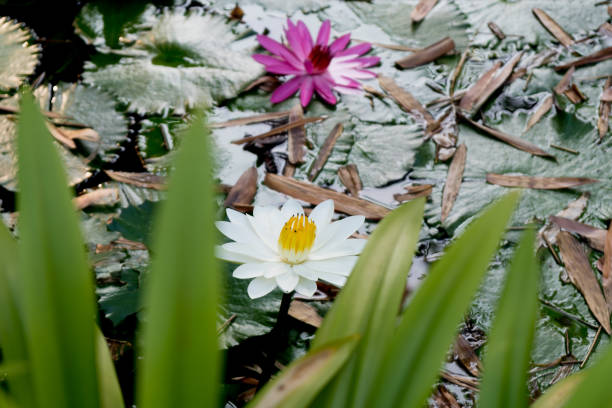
(304, 271)
(338, 231)
(275, 269)
(287, 281)
(260, 287)
(348, 247)
(306, 287)
(257, 252)
(267, 223)
(254, 270)
(246, 235)
(322, 214)
(235, 216)
(339, 266)
(333, 278)
(289, 209)
(230, 256)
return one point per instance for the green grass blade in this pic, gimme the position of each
(506, 363)
(56, 285)
(301, 381)
(557, 395)
(415, 353)
(370, 301)
(12, 336)
(108, 385)
(181, 362)
(593, 388)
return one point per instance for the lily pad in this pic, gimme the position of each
(17, 58)
(516, 17)
(178, 61)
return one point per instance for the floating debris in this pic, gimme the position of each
(569, 89)
(453, 180)
(542, 183)
(349, 176)
(314, 194)
(427, 54)
(604, 111)
(553, 28)
(600, 55)
(596, 237)
(244, 190)
(305, 313)
(421, 10)
(414, 191)
(265, 117)
(146, 180)
(582, 276)
(325, 151)
(542, 110)
(280, 129)
(406, 101)
(496, 30)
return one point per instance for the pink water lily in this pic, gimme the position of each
(315, 66)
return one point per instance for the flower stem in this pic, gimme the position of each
(278, 339)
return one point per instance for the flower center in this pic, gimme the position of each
(296, 239)
(320, 58)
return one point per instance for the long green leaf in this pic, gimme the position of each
(370, 301)
(57, 287)
(181, 363)
(12, 336)
(108, 384)
(299, 383)
(504, 383)
(414, 354)
(557, 395)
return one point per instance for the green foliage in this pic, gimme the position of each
(508, 352)
(56, 289)
(181, 363)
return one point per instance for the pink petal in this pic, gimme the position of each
(355, 50)
(323, 87)
(323, 37)
(339, 44)
(279, 49)
(295, 40)
(366, 61)
(306, 39)
(287, 89)
(306, 90)
(276, 65)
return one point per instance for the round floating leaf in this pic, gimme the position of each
(180, 61)
(516, 17)
(95, 109)
(17, 58)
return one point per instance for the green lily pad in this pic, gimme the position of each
(17, 58)
(119, 302)
(177, 61)
(135, 222)
(516, 17)
(254, 317)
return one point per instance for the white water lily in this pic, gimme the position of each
(285, 248)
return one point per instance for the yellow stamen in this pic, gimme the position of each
(296, 239)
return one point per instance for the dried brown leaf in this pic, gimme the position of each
(457, 71)
(582, 276)
(548, 234)
(101, 196)
(512, 141)
(427, 54)
(542, 183)
(422, 8)
(413, 192)
(606, 96)
(325, 151)
(465, 354)
(405, 100)
(296, 137)
(496, 30)
(305, 313)
(349, 176)
(605, 29)
(289, 170)
(314, 194)
(542, 110)
(444, 399)
(244, 190)
(453, 180)
(600, 55)
(565, 82)
(553, 28)
(478, 88)
(279, 129)
(60, 136)
(146, 180)
(498, 80)
(596, 237)
(251, 119)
